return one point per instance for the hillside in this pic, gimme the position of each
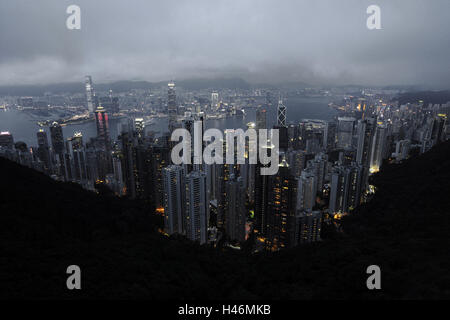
(46, 226)
(433, 97)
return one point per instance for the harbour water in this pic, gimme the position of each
(23, 126)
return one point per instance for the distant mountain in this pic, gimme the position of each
(40, 90)
(46, 226)
(123, 85)
(434, 97)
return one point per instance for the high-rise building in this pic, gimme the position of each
(282, 195)
(109, 103)
(101, 120)
(174, 199)
(307, 227)
(6, 140)
(77, 154)
(437, 128)
(235, 209)
(402, 150)
(329, 137)
(307, 191)
(44, 150)
(214, 101)
(297, 161)
(119, 184)
(365, 131)
(89, 94)
(57, 138)
(143, 171)
(261, 118)
(197, 207)
(281, 114)
(172, 105)
(160, 160)
(319, 166)
(345, 193)
(345, 132)
(378, 148)
(139, 126)
(128, 162)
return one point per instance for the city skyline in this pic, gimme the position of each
(246, 150)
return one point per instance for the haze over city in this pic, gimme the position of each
(319, 43)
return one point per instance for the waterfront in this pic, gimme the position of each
(23, 126)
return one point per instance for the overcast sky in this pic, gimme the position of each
(315, 41)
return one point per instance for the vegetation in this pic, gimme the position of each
(46, 226)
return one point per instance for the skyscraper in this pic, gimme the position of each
(160, 159)
(281, 114)
(197, 207)
(139, 126)
(345, 193)
(6, 140)
(101, 120)
(128, 162)
(77, 152)
(57, 138)
(214, 101)
(402, 150)
(319, 167)
(174, 199)
(281, 208)
(261, 118)
(329, 137)
(307, 227)
(345, 132)
(235, 209)
(306, 191)
(171, 105)
(89, 94)
(296, 160)
(378, 148)
(365, 131)
(44, 150)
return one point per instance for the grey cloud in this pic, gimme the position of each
(318, 42)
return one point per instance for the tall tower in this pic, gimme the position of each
(101, 120)
(281, 114)
(6, 140)
(89, 94)
(345, 193)
(43, 149)
(281, 205)
(378, 146)
(214, 101)
(306, 191)
(345, 132)
(76, 149)
(307, 227)
(174, 200)
(57, 137)
(329, 137)
(235, 209)
(365, 139)
(197, 207)
(171, 105)
(261, 118)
